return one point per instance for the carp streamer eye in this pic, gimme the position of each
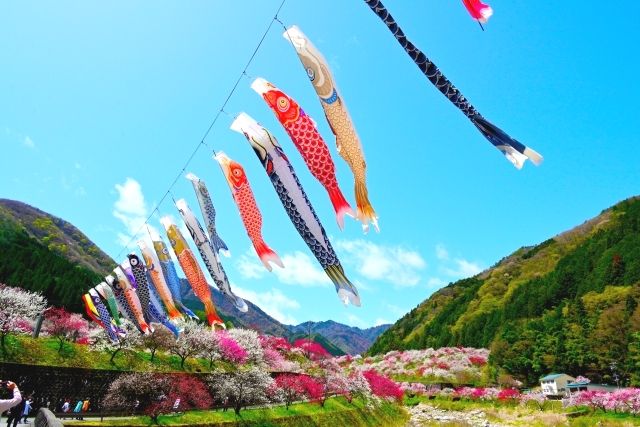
(311, 73)
(283, 104)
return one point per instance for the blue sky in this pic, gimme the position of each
(101, 103)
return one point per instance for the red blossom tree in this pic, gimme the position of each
(65, 326)
(508, 394)
(382, 386)
(312, 350)
(290, 388)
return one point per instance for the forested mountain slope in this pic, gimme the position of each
(569, 304)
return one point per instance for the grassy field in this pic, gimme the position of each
(336, 412)
(44, 351)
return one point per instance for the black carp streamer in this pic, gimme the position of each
(515, 151)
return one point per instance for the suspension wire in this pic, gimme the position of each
(202, 141)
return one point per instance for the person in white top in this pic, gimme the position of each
(10, 403)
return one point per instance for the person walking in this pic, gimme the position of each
(27, 410)
(77, 409)
(15, 414)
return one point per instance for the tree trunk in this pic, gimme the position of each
(182, 359)
(153, 354)
(61, 345)
(2, 343)
(237, 408)
(113, 356)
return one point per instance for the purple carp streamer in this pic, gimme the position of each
(516, 152)
(209, 214)
(296, 204)
(209, 255)
(118, 287)
(103, 314)
(151, 311)
(335, 110)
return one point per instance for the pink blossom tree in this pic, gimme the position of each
(65, 326)
(537, 397)
(230, 350)
(156, 393)
(382, 386)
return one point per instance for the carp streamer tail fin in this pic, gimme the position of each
(347, 292)
(515, 151)
(340, 205)
(365, 213)
(267, 255)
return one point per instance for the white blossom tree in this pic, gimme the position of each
(160, 339)
(191, 341)
(249, 340)
(126, 342)
(242, 388)
(16, 305)
(211, 347)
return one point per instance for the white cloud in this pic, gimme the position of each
(248, 268)
(353, 320)
(395, 310)
(299, 269)
(464, 268)
(130, 208)
(441, 252)
(28, 142)
(435, 282)
(394, 264)
(273, 302)
(457, 267)
(77, 165)
(379, 321)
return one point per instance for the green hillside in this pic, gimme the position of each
(569, 304)
(43, 253)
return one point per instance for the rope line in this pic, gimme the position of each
(202, 141)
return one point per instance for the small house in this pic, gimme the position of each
(555, 384)
(574, 387)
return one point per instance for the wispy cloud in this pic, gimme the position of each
(395, 310)
(130, 208)
(455, 267)
(463, 268)
(273, 302)
(300, 269)
(380, 321)
(395, 264)
(28, 142)
(441, 252)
